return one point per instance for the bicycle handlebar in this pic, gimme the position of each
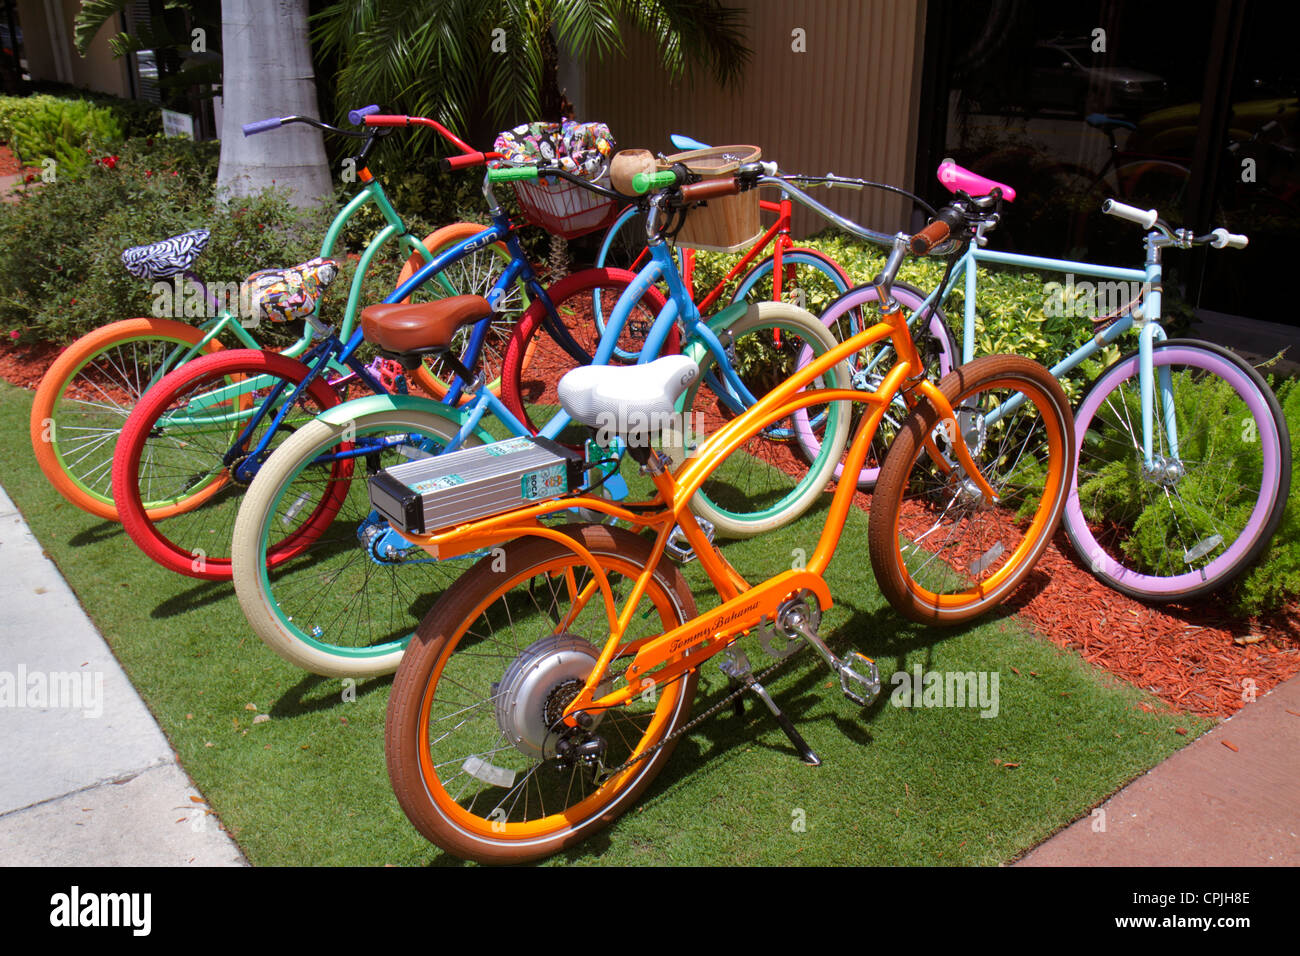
(356, 117)
(1146, 218)
(644, 182)
(261, 126)
(1224, 239)
(929, 237)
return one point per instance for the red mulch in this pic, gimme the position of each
(1194, 657)
(9, 163)
(24, 365)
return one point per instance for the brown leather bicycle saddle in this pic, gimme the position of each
(421, 326)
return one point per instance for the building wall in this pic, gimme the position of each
(50, 54)
(846, 104)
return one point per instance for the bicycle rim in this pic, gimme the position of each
(1202, 515)
(940, 552)
(475, 772)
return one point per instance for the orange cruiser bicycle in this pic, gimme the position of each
(547, 688)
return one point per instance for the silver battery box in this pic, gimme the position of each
(431, 493)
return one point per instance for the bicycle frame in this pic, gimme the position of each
(779, 232)
(1146, 319)
(743, 606)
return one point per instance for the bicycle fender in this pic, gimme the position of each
(341, 415)
(718, 322)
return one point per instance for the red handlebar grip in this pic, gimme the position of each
(468, 159)
(387, 119)
(929, 237)
(711, 189)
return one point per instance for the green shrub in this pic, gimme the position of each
(68, 131)
(1275, 580)
(136, 117)
(61, 273)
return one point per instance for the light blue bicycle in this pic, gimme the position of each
(1167, 504)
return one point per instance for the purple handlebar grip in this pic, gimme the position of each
(356, 117)
(261, 126)
(954, 178)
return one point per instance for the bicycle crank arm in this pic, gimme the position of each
(797, 618)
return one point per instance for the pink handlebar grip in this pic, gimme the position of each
(954, 178)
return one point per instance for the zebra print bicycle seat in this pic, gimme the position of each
(166, 258)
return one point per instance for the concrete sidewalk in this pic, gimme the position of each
(1230, 798)
(89, 778)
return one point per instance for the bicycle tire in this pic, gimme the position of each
(535, 363)
(939, 351)
(762, 485)
(330, 608)
(470, 275)
(1026, 456)
(471, 827)
(1236, 492)
(116, 362)
(174, 492)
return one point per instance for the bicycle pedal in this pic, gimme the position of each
(679, 548)
(859, 678)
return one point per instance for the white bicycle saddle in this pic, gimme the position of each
(627, 399)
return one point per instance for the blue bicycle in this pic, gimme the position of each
(346, 604)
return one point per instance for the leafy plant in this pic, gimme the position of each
(67, 131)
(495, 62)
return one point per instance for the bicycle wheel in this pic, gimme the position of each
(472, 274)
(941, 555)
(938, 348)
(764, 484)
(87, 394)
(172, 477)
(811, 280)
(535, 362)
(345, 604)
(473, 769)
(1208, 508)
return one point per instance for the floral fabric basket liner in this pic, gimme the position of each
(583, 149)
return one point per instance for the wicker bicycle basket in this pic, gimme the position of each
(564, 209)
(729, 224)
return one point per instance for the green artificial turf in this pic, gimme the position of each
(906, 786)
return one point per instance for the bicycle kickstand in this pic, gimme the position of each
(735, 664)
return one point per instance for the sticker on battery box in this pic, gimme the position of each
(544, 483)
(509, 446)
(437, 484)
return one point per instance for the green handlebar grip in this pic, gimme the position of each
(644, 182)
(508, 174)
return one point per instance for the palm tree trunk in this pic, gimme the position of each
(268, 72)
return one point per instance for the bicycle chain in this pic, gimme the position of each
(696, 721)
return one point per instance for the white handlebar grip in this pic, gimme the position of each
(1146, 218)
(1223, 238)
